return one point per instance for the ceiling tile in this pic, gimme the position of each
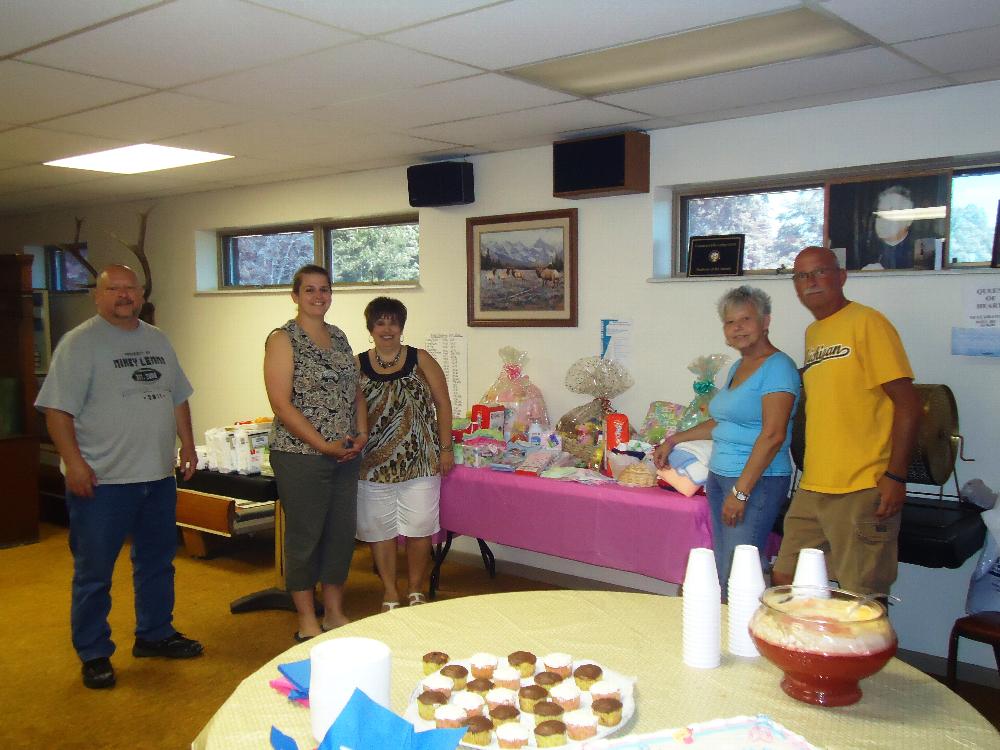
(523, 31)
(30, 92)
(901, 20)
(373, 17)
(976, 76)
(476, 96)
(36, 176)
(33, 145)
(353, 147)
(26, 23)
(258, 138)
(952, 53)
(151, 118)
(188, 40)
(541, 121)
(350, 72)
(770, 83)
(813, 100)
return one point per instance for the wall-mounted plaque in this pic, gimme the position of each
(716, 255)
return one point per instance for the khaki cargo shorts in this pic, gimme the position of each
(861, 551)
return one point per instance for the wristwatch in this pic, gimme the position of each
(741, 496)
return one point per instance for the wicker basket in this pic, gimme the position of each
(637, 475)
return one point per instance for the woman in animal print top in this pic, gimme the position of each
(409, 450)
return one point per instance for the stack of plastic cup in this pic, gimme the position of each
(746, 584)
(811, 571)
(702, 611)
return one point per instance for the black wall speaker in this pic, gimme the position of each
(606, 165)
(443, 183)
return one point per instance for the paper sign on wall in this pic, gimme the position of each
(451, 352)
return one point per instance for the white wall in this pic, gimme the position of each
(220, 337)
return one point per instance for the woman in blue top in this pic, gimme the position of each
(750, 426)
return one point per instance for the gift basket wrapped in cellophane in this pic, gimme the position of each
(580, 428)
(522, 400)
(705, 368)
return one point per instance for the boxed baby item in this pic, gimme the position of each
(250, 443)
(237, 448)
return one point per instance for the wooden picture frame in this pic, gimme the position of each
(864, 218)
(522, 269)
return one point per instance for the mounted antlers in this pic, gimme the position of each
(148, 311)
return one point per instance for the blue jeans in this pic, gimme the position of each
(766, 501)
(98, 527)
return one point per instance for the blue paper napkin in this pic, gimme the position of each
(365, 725)
(297, 673)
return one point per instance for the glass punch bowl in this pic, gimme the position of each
(825, 640)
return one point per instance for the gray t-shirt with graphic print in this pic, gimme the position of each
(122, 388)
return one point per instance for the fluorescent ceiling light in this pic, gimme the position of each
(143, 157)
(913, 214)
(714, 49)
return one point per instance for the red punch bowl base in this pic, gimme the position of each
(823, 679)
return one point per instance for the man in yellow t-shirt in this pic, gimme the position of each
(862, 413)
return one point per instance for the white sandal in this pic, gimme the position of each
(416, 598)
(389, 606)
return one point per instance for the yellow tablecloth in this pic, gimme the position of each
(634, 634)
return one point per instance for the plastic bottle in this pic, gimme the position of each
(535, 435)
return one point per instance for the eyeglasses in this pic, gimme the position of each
(816, 273)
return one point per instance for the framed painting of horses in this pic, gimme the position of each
(522, 269)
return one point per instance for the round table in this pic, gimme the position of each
(633, 634)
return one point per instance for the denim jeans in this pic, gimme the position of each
(98, 527)
(766, 501)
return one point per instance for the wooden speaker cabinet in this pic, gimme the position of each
(601, 166)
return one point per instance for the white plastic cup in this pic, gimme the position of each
(702, 611)
(701, 573)
(811, 569)
(746, 573)
(339, 666)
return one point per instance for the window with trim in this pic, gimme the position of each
(357, 252)
(777, 223)
(66, 273)
(975, 208)
(267, 257)
(940, 216)
(374, 253)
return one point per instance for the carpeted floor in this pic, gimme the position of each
(163, 704)
(157, 703)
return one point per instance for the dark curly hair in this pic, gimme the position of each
(385, 307)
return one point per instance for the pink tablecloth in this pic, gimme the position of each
(647, 531)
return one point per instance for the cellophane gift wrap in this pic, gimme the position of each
(522, 400)
(662, 420)
(580, 427)
(705, 368)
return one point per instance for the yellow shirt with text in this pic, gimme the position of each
(849, 355)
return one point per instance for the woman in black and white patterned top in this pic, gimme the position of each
(320, 427)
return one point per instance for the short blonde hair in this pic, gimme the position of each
(745, 295)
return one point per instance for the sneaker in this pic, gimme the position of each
(175, 646)
(98, 673)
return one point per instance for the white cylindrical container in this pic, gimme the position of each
(339, 666)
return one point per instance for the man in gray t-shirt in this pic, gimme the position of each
(114, 399)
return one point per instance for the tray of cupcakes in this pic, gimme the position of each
(521, 700)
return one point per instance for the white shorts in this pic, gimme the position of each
(410, 508)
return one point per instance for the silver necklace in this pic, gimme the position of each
(391, 363)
